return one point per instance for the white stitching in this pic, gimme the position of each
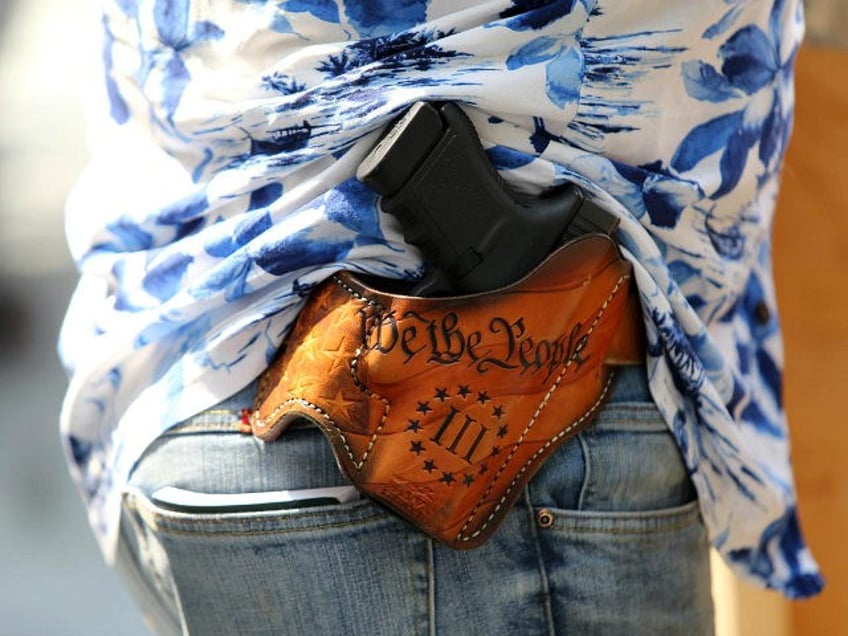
(262, 422)
(530, 425)
(544, 402)
(354, 363)
(529, 461)
(323, 414)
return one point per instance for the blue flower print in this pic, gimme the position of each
(118, 109)
(414, 49)
(176, 34)
(563, 71)
(194, 269)
(535, 14)
(661, 196)
(326, 10)
(688, 369)
(761, 562)
(381, 17)
(727, 20)
(751, 66)
(564, 64)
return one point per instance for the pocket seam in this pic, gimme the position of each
(623, 523)
(169, 521)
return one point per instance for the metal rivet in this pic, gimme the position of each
(545, 518)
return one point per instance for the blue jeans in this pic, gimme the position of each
(607, 539)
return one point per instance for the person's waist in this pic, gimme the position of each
(631, 384)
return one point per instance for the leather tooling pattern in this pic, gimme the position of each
(444, 408)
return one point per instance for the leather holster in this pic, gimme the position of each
(443, 408)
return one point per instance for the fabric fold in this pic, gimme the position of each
(222, 191)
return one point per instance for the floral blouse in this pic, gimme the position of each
(221, 189)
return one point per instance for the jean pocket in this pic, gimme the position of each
(626, 461)
(245, 565)
(621, 533)
(609, 572)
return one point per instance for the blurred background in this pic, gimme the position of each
(52, 578)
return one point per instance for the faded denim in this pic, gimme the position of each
(606, 540)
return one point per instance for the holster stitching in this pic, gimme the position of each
(530, 424)
(387, 407)
(354, 363)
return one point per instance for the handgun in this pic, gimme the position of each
(476, 234)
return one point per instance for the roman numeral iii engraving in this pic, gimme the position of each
(461, 430)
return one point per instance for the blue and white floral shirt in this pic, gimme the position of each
(221, 190)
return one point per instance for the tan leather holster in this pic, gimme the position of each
(444, 408)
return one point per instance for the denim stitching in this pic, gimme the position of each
(587, 472)
(431, 587)
(652, 522)
(413, 591)
(543, 573)
(588, 414)
(199, 425)
(173, 524)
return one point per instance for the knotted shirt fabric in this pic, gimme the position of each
(221, 190)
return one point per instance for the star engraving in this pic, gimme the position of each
(496, 450)
(416, 447)
(441, 394)
(424, 407)
(311, 345)
(414, 426)
(447, 478)
(340, 403)
(336, 353)
(301, 384)
(342, 344)
(483, 397)
(429, 465)
(483, 469)
(468, 480)
(463, 391)
(498, 411)
(338, 365)
(502, 431)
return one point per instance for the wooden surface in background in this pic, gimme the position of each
(811, 270)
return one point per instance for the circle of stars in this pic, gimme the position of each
(441, 395)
